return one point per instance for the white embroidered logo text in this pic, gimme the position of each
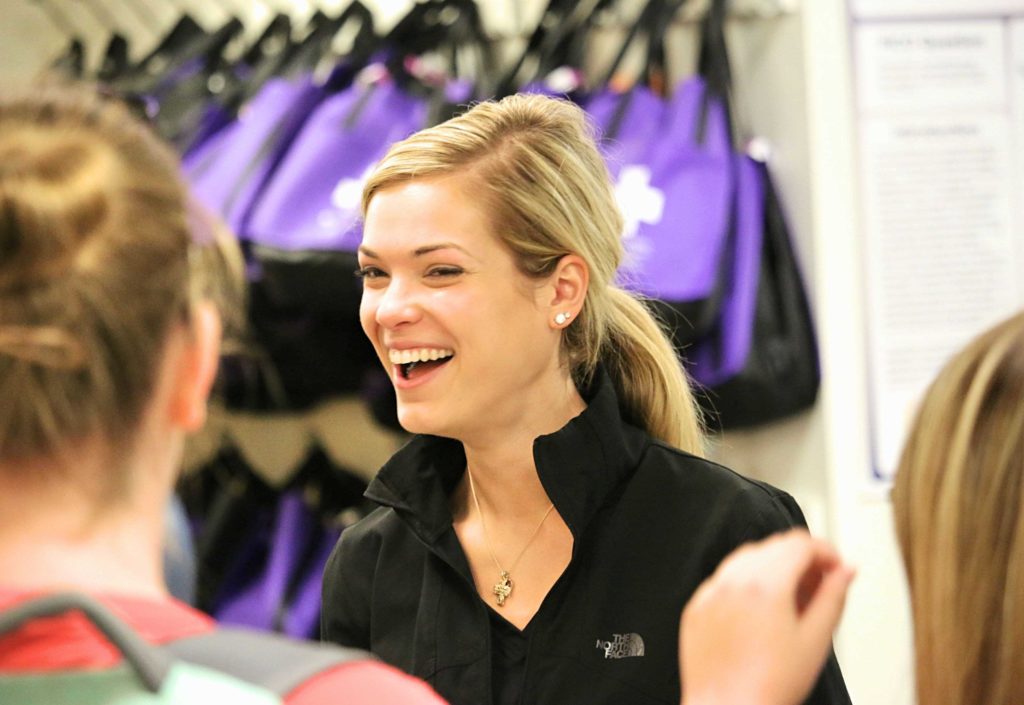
(622, 646)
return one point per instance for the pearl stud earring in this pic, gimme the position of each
(562, 318)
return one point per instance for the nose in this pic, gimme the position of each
(397, 304)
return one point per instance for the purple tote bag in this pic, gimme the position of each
(627, 122)
(722, 355)
(229, 169)
(306, 226)
(671, 163)
(760, 363)
(312, 201)
(282, 592)
(256, 601)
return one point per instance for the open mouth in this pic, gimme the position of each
(416, 363)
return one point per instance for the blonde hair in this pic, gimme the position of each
(958, 501)
(543, 183)
(95, 240)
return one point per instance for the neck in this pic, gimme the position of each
(64, 534)
(119, 559)
(502, 463)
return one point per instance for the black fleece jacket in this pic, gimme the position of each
(649, 523)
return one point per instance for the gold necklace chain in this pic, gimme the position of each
(503, 588)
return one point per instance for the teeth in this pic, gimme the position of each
(404, 357)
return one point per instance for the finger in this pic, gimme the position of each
(765, 552)
(785, 558)
(824, 560)
(772, 568)
(826, 607)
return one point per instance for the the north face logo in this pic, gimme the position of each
(622, 646)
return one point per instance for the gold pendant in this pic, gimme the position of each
(503, 588)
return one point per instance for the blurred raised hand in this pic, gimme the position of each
(757, 632)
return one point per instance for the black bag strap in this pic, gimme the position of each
(180, 40)
(646, 24)
(793, 310)
(714, 67)
(271, 661)
(152, 72)
(304, 55)
(553, 17)
(559, 39)
(443, 26)
(656, 72)
(652, 23)
(713, 59)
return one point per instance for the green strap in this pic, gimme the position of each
(185, 684)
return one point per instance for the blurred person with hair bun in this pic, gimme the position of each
(113, 291)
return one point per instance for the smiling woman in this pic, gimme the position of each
(436, 279)
(554, 500)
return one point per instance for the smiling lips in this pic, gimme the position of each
(415, 358)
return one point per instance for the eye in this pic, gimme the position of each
(369, 273)
(444, 271)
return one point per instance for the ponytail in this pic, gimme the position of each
(653, 388)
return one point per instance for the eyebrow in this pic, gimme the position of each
(420, 251)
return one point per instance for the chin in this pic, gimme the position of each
(422, 421)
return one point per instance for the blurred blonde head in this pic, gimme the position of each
(959, 509)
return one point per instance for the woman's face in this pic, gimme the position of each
(464, 335)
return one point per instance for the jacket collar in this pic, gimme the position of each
(580, 466)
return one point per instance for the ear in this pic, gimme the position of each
(196, 368)
(568, 286)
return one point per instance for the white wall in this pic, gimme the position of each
(794, 86)
(874, 640)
